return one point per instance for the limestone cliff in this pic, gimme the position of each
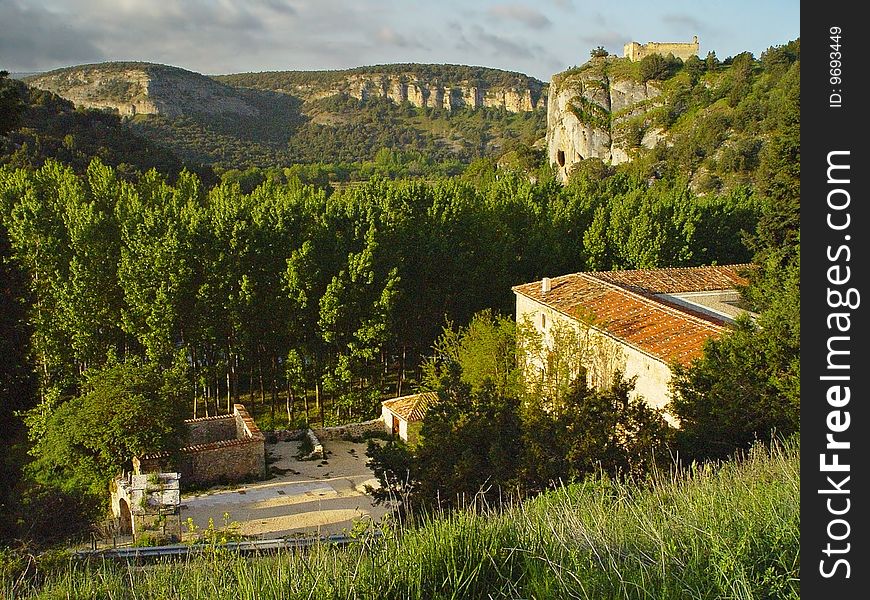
(143, 88)
(448, 87)
(421, 93)
(587, 108)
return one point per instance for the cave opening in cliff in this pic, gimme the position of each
(560, 157)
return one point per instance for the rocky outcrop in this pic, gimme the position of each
(587, 111)
(143, 88)
(422, 93)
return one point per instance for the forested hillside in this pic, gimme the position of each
(268, 119)
(44, 125)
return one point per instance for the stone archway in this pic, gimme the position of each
(560, 157)
(125, 518)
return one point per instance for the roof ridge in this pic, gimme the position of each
(653, 301)
(595, 274)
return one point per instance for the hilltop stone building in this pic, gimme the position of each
(635, 51)
(648, 320)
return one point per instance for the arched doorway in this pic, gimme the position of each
(125, 518)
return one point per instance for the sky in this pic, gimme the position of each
(539, 38)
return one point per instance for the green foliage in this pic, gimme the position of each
(591, 432)
(590, 112)
(598, 52)
(747, 385)
(394, 466)
(724, 122)
(470, 445)
(125, 410)
(732, 530)
(667, 225)
(49, 127)
(658, 67)
(491, 431)
(343, 132)
(484, 351)
(731, 397)
(11, 103)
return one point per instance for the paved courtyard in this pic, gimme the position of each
(307, 497)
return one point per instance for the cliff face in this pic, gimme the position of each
(143, 88)
(422, 93)
(586, 111)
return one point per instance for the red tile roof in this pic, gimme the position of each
(411, 408)
(677, 280)
(623, 304)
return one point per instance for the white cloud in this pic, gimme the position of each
(528, 16)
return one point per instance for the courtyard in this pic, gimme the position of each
(304, 498)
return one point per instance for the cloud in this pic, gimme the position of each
(607, 38)
(34, 38)
(683, 23)
(521, 13)
(388, 35)
(279, 6)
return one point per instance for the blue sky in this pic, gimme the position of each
(228, 36)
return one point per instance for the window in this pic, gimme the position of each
(543, 321)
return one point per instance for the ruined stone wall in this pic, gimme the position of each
(211, 429)
(240, 455)
(352, 430)
(635, 51)
(235, 460)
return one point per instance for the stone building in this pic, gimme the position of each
(221, 449)
(648, 320)
(635, 51)
(146, 502)
(403, 416)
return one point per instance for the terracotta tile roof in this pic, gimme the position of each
(677, 280)
(411, 408)
(622, 303)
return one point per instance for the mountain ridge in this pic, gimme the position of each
(137, 87)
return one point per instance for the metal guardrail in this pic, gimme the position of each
(136, 553)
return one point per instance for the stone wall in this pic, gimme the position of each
(239, 456)
(352, 430)
(229, 461)
(635, 51)
(211, 429)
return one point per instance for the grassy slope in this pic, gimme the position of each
(731, 532)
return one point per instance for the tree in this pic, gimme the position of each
(658, 67)
(17, 381)
(729, 399)
(711, 62)
(395, 467)
(125, 410)
(598, 52)
(470, 444)
(484, 352)
(593, 431)
(11, 102)
(747, 384)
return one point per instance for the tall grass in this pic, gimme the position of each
(730, 531)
